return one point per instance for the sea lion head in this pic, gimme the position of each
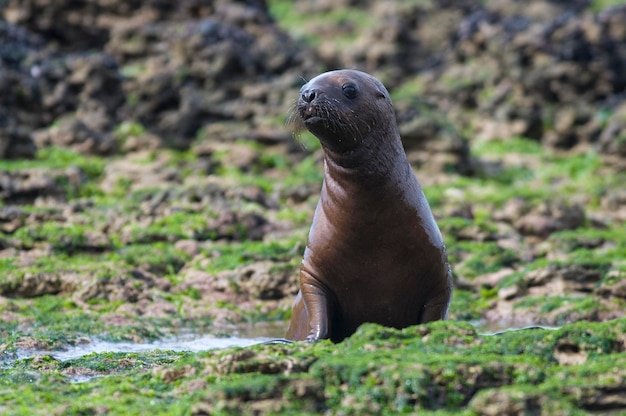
(345, 108)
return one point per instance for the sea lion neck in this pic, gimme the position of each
(374, 157)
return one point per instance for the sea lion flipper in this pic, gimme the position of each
(316, 303)
(437, 309)
(434, 313)
(309, 320)
(298, 324)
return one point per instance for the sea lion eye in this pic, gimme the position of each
(350, 91)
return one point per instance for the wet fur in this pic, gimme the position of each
(371, 213)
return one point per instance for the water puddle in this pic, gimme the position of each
(242, 336)
(98, 346)
(492, 328)
(238, 336)
(189, 341)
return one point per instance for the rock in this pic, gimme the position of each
(15, 145)
(171, 68)
(494, 402)
(141, 143)
(31, 284)
(138, 175)
(236, 155)
(12, 218)
(562, 280)
(430, 141)
(539, 76)
(236, 225)
(221, 58)
(190, 247)
(612, 140)
(130, 286)
(76, 134)
(512, 210)
(400, 38)
(614, 204)
(27, 185)
(569, 353)
(614, 285)
(266, 281)
(550, 217)
(19, 105)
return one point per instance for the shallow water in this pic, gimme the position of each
(176, 344)
(189, 342)
(493, 328)
(240, 336)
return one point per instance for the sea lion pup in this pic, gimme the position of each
(374, 252)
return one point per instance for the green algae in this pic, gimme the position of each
(231, 256)
(299, 24)
(467, 306)
(58, 158)
(564, 175)
(448, 369)
(481, 258)
(56, 316)
(599, 5)
(127, 129)
(64, 238)
(472, 243)
(55, 322)
(523, 399)
(134, 393)
(439, 368)
(173, 227)
(159, 257)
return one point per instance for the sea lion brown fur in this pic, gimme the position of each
(374, 252)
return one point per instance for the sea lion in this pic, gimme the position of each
(374, 252)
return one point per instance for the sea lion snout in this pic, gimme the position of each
(308, 95)
(307, 103)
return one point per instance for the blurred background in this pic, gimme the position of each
(147, 170)
(153, 198)
(105, 77)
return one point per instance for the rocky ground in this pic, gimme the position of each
(149, 185)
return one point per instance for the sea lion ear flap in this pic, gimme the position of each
(384, 94)
(381, 91)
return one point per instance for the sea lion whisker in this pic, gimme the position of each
(296, 124)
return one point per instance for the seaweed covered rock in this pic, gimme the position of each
(171, 68)
(557, 80)
(73, 26)
(39, 89)
(233, 65)
(550, 71)
(430, 367)
(393, 39)
(19, 106)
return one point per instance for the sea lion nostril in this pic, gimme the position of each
(309, 95)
